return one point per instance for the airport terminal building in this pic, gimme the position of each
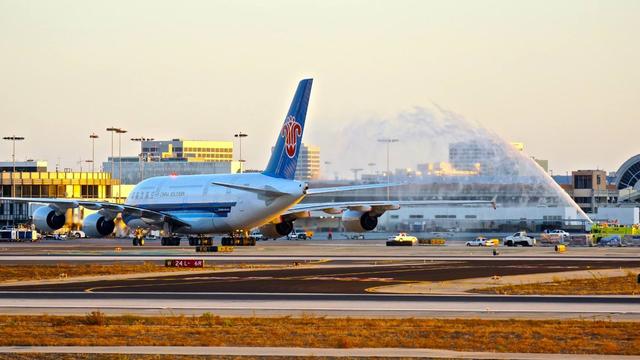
(33, 180)
(519, 206)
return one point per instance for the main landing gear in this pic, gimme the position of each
(201, 241)
(170, 241)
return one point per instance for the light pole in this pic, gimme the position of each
(141, 140)
(120, 132)
(13, 138)
(93, 138)
(388, 141)
(355, 173)
(240, 135)
(113, 166)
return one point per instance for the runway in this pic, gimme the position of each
(344, 279)
(320, 290)
(319, 304)
(335, 280)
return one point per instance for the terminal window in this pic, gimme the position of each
(583, 182)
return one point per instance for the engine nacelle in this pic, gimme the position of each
(359, 221)
(274, 231)
(95, 225)
(46, 220)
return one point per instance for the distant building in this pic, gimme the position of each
(308, 166)
(23, 166)
(32, 180)
(189, 150)
(174, 157)
(589, 189)
(481, 157)
(134, 170)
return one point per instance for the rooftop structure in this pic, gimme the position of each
(23, 166)
(189, 150)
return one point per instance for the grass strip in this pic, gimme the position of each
(63, 271)
(620, 285)
(546, 336)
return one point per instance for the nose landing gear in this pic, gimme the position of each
(138, 237)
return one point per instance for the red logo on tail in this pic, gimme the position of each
(291, 131)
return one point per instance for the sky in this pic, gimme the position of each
(561, 76)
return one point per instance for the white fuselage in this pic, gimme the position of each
(214, 209)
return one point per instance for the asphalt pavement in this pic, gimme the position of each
(324, 279)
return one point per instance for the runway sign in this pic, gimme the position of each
(214, 248)
(185, 263)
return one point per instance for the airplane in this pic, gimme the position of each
(233, 204)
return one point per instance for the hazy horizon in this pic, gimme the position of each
(560, 76)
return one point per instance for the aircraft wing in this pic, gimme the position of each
(109, 208)
(302, 210)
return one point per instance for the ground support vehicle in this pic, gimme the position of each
(602, 230)
(519, 239)
(18, 235)
(402, 239)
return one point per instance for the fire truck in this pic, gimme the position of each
(602, 230)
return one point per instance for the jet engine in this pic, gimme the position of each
(46, 220)
(359, 221)
(96, 225)
(274, 231)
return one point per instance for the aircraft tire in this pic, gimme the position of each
(135, 242)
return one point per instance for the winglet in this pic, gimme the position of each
(284, 157)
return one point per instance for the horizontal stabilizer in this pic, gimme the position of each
(268, 192)
(327, 190)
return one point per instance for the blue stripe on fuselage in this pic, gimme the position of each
(189, 210)
(217, 207)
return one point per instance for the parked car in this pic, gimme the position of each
(478, 241)
(519, 239)
(403, 237)
(558, 232)
(258, 235)
(298, 235)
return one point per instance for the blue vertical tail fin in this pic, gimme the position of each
(284, 157)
